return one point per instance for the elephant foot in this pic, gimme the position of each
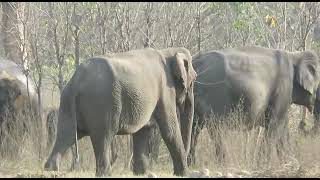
(191, 160)
(52, 163)
(181, 173)
(139, 171)
(139, 167)
(302, 128)
(103, 172)
(75, 166)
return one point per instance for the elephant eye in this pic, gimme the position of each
(312, 70)
(186, 65)
(191, 85)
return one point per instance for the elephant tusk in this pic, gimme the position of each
(205, 70)
(210, 84)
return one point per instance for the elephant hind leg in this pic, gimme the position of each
(65, 138)
(140, 144)
(101, 148)
(198, 125)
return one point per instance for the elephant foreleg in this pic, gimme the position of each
(277, 132)
(283, 145)
(171, 134)
(140, 144)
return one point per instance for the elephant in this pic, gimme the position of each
(17, 96)
(267, 81)
(52, 118)
(118, 94)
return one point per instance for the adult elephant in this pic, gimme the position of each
(118, 94)
(17, 96)
(267, 80)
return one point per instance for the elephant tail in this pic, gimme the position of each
(74, 119)
(74, 92)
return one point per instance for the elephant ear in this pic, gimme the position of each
(180, 69)
(307, 76)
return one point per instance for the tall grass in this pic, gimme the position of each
(26, 152)
(22, 138)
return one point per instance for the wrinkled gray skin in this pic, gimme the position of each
(268, 80)
(117, 95)
(13, 92)
(52, 120)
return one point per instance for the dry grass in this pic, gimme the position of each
(25, 155)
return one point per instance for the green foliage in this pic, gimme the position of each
(245, 16)
(105, 27)
(67, 70)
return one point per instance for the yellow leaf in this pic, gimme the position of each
(271, 21)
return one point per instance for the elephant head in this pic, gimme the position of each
(9, 92)
(306, 78)
(183, 76)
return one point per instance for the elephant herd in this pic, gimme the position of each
(131, 92)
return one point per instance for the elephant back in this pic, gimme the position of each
(15, 71)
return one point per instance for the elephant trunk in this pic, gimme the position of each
(316, 112)
(186, 118)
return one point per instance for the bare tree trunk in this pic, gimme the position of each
(199, 26)
(10, 31)
(149, 23)
(77, 49)
(76, 20)
(285, 25)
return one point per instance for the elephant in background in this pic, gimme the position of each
(117, 95)
(51, 124)
(268, 81)
(17, 96)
